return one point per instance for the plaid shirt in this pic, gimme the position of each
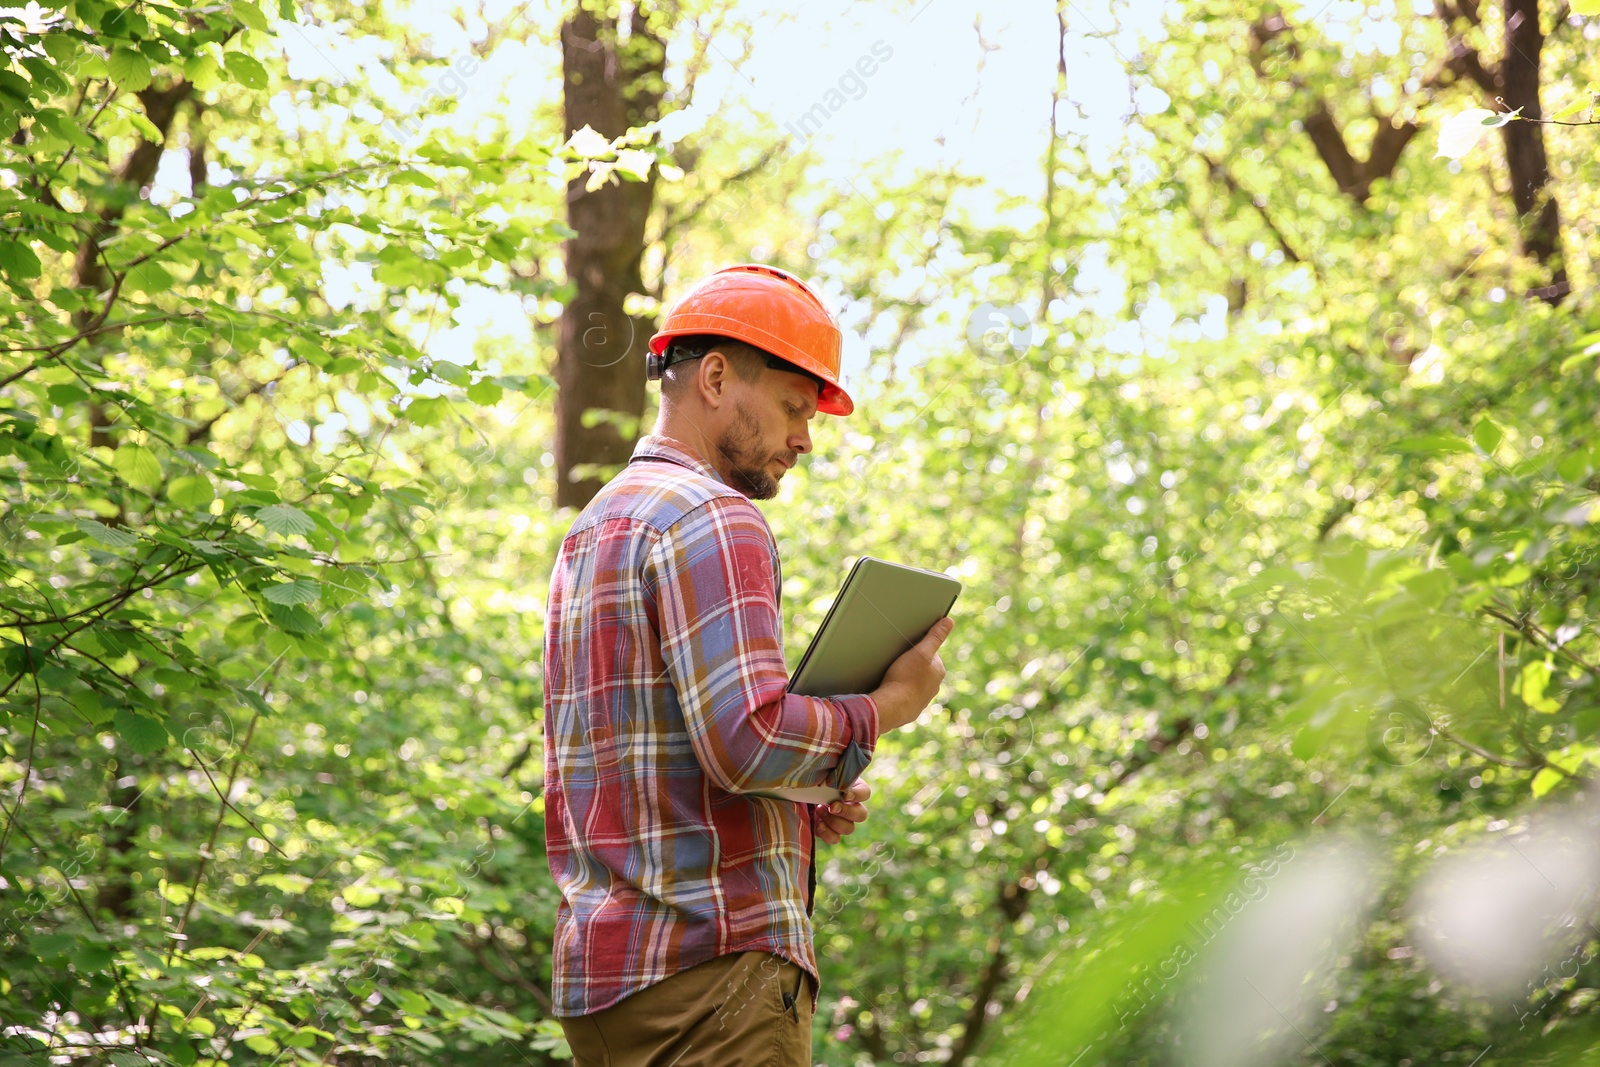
(665, 703)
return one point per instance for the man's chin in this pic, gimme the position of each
(755, 484)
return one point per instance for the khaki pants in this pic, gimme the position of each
(747, 1009)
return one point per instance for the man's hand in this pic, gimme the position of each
(913, 680)
(838, 820)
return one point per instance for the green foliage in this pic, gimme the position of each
(1323, 553)
(229, 832)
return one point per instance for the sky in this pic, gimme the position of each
(902, 88)
(948, 84)
(964, 85)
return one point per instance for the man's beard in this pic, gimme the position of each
(740, 446)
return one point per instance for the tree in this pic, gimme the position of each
(1272, 499)
(612, 82)
(199, 505)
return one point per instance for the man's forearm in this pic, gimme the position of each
(786, 742)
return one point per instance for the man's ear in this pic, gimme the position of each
(712, 378)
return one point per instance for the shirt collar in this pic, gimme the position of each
(655, 446)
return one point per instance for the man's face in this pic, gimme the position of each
(767, 430)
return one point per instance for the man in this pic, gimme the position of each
(683, 935)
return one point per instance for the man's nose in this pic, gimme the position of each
(801, 442)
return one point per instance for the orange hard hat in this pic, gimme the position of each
(770, 309)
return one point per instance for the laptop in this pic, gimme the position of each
(881, 611)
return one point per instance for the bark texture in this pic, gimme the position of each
(137, 172)
(1537, 211)
(613, 80)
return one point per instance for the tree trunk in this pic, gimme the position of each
(115, 895)
(136, 172)
(610, 83)
(1537, 211)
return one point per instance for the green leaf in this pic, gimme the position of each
(191, 491)
(125, 21)
(343, 585)
(18, 260)
(485, 392)
(1532, 683)
(49, 946)
(203, 72)
(143, 734)
(90, 64)
(293, 618)
(343, 365)
(294, 884)
(203, 456)
(249, 15)
(61, 47)
(412, 177)
(129, 69)
(245, 70)
(1432, 443)
(1573, 360)
(1545, 780)
(1308, 741)
(58, 124)
(88, 702)
(57, 677)
(246, 234)
(406, 1000)
(92, 959)
(285, 520)
(427, 410)
(146, 128)
(1571, 109)
(106, 535)
(67, 393)
(1487, 435)
(1574, 467)
(147, 277)
(138, 466)
(45, 76)
(299, 591)
(14, 84)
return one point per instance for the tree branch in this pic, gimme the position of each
(27, 768)
(222, 811)
(1328, 140)
(203, 431)
(676, 220)
(995, 971)
(1538, 635)
(1353, 176)
(1220, 173)
(512, 979)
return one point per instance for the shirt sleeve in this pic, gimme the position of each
(714, 574)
